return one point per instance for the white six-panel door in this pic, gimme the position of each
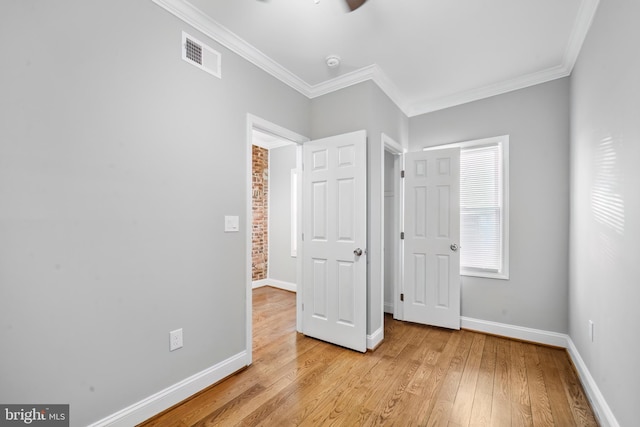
(432, 234)
(334, 233)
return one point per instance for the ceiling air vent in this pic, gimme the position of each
(200, 55)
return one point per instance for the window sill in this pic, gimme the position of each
(485, 274)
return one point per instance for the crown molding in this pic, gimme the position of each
(431, 105)
(191, 15)
(581, 26)
(371, 72)
(343, 81)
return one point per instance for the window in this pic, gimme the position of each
(484, 205)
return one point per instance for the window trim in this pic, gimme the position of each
(503, 142)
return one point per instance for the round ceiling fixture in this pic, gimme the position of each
(333, 61)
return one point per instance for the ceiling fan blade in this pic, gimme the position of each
(354, 4)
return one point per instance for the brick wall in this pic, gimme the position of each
(260, 207)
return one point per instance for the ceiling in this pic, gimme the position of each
(424, 54)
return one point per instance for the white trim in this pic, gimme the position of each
(158, 402)
(259, 283)
(344, 80)
(249, 238)
(193, 16)
(603, 412)
(281, 284)
(598, 403)
(371, 72)
(375, 339)
(430, 105)
(581, 26)
(274, 129)
(517, 332)
(300, 248)
(388, 307)
(393, 147)
(293, 195)
(271, 145)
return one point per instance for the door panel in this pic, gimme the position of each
(334, 226)
(432, 226)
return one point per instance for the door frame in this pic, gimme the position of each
(255, 122)
(393, 147)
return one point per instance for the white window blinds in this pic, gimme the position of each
(481, 209)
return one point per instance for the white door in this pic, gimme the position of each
(432, 234)
(335, 240)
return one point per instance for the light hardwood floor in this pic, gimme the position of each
(419, 375)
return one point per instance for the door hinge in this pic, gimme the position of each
(302, 306)
(303, 237)
(402, 235)
(401, 297)
(401, 174)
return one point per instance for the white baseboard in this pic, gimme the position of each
(388, 307)
(280, 284)
(598, 403)
(153, 405)
(518, 332)
(259, 283)
(600, 407)
(375, 339)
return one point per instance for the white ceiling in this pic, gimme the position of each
(425, 54)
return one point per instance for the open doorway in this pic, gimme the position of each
(273, 200)
(271, 256)
(391, 222)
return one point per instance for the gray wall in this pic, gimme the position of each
(537, 121)
(364, 106)
(605, 205)
(118, 162)
(282, 266)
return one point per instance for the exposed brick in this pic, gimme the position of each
(260, 199)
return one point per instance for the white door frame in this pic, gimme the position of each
(255, 122)
(393, 147)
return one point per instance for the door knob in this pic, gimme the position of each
(358, 252)
(454, 247)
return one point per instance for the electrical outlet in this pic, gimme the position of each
(175, 339)
(591, 330)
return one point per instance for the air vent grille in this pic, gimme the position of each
(194, 51)
(202, 56)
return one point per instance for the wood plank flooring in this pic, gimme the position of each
(418, 376)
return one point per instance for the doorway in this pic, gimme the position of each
(392, 197)
(273, 251)
(275, 137)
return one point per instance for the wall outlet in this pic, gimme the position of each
(591, 330)
(175, 339)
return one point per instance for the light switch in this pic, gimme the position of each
(231, 224)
